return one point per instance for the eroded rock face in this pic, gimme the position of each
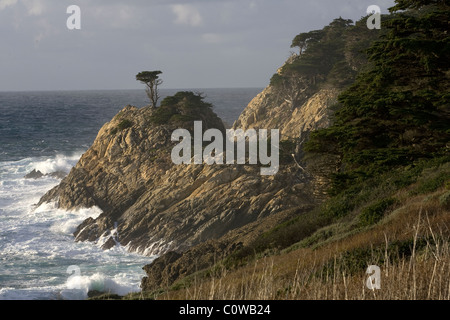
(268, 110)
(173, 266)
(257, 203)
(157, 206)
(198, 212)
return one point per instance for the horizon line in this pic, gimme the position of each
(80, 90)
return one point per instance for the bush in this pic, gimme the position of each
(373, 213)
(433, 183)
(278, 238)
(444, 200)
(125, 123)
(184, 106)
(162, 115)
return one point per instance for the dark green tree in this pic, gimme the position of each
(152, 81)
(302, 40)
(398, 111)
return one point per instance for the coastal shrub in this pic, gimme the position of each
(279, 237)
(184, 106)
(444, 200)
(113, 131)
(373, 213)
(357, 260)
(125, 123)
(162, 114)
(433, 183)
(395, 113)
(180, 118)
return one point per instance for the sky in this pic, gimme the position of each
(195, 43)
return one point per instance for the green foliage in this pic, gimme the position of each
(373, 213)
(433, 184)
(125, 123)
(433, 180)
(277, 238)
(397, 111)
(162, 115)
(444, 200)
(331, 56)
(184, 106)
(363, 203)
(322, 51)
(148, 76)
(186, 100)
(276, 80)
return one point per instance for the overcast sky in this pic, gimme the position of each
(195, 43)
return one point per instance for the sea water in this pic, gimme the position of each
(49, 131)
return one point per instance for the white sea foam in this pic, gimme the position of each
(72, 219)
(59, 163)
(77, 287)
(37, 244)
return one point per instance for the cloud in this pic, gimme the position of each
(34, 7)
(187, 14)
(7, 3)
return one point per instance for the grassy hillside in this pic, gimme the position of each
(325, 255)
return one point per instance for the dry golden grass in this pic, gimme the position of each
(303, 273)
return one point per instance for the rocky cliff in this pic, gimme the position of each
(152, 206)
(247, 204)
(192, 214)
(271, 109)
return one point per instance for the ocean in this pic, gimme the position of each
(49, 131)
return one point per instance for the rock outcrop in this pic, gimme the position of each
(271, 109)
(152, 206)
(302, 182)
(36, 174)
(191, 214)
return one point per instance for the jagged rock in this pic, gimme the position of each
(197, 211)
(34, 174)
(155, 277)
(269, 110)
(272, 200)
(110, 243)
(172, 266)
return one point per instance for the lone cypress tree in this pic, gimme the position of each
(152, 81)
